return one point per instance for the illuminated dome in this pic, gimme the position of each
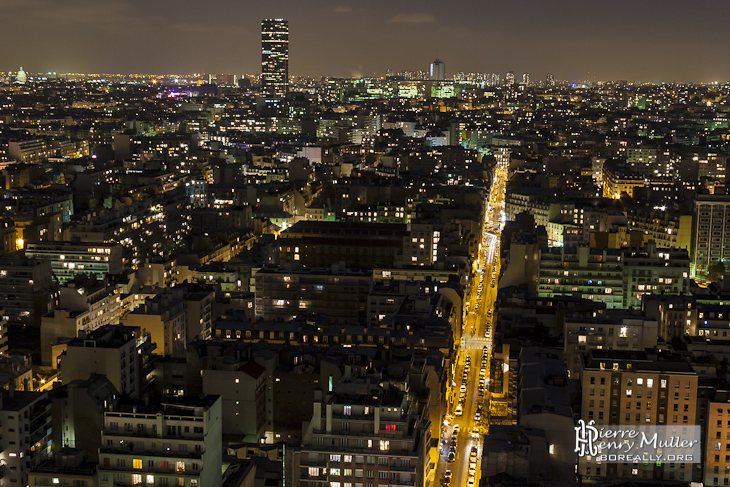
(21, 78)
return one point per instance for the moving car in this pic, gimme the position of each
(451, 457)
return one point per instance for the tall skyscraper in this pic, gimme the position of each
(510, 78)
(438, 70)
(526, 79)
(550, 80)
(275, 57)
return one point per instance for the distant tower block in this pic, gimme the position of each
(510, 78)
(275, 58)
(438, 70)
(21, 78)
(550, 80)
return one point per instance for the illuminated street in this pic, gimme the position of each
(469, 390)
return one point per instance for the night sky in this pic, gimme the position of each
(639, 40)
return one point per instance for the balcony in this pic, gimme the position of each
(152, 453)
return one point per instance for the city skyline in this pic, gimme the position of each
(209, 281)
(637, 42)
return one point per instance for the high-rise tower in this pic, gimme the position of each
(21, 77)
(510, 78)
(275, 57)
(438, 70)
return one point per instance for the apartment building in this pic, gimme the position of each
(651, 270)
(339, 294)
(118, 352)
(26, 439)
(619, 330)
(27, 289)
(618, 278)
(362, 433)
(717, 440)
(629, 387)
(164, 318)
(711, 235)
(69, 259)
(591, 273)
(676, 315)
(175, 442)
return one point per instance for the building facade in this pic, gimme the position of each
(626, 387)
(275, 58)
(178, 442)
(69, 259)
(711, 234)
(357, 437)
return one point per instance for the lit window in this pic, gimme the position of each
(179, 467)
(137, 463)
(384, 445)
